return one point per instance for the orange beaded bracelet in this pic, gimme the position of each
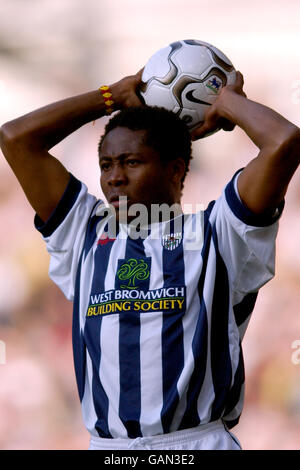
(108, 101)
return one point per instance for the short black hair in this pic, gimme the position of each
(167, 134)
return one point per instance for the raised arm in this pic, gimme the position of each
(26, 141)
(264, 181)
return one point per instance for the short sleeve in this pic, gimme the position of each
(246, 241)
(64, 234)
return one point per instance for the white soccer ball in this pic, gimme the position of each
(186, 77)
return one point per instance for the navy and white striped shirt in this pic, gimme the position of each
(157, 327)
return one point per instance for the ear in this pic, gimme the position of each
(177, 170)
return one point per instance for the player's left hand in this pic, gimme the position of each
(213, 119)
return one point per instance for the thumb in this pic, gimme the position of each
(199, 132)
(140, 73)
(138, 76)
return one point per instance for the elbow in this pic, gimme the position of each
(294, 145)
(292, 138)
(7, 137)
(4, 138)
(290, 144)
(11, 138)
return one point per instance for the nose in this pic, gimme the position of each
(117, 176)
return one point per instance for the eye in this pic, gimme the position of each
(105, 166)
(132, 162)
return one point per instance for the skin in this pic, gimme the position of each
(26, 141)
(132, 169)
(263, 183)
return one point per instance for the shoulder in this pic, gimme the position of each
(73, 209)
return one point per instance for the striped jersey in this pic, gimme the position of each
(158, 320)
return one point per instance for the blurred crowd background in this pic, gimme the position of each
(52, 49)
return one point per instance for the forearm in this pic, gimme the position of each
(264, 182)
(26, 141)
(265, 127)
(47, 126)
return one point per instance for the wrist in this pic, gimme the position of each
(118, 95)
(107, 98)
(229, 104)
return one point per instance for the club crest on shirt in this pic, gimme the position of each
(171, 241)
(132, 271)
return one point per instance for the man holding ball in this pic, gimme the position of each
(158, 321)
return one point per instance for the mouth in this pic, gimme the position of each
(119, 200)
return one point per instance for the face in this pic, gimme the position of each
(132, 169)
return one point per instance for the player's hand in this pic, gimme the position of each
(125, 92)
(213, 119)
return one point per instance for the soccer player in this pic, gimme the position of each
(158, 318)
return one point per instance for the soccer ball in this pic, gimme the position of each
(186, 77)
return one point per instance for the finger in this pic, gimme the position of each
(229, 127)
(239, 80)
(197, 133)
(239, 84)
(139, 74)
(226, 125)
(200, 132)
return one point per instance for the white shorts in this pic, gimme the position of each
(211, 436)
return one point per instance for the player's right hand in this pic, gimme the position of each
(125, 92)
